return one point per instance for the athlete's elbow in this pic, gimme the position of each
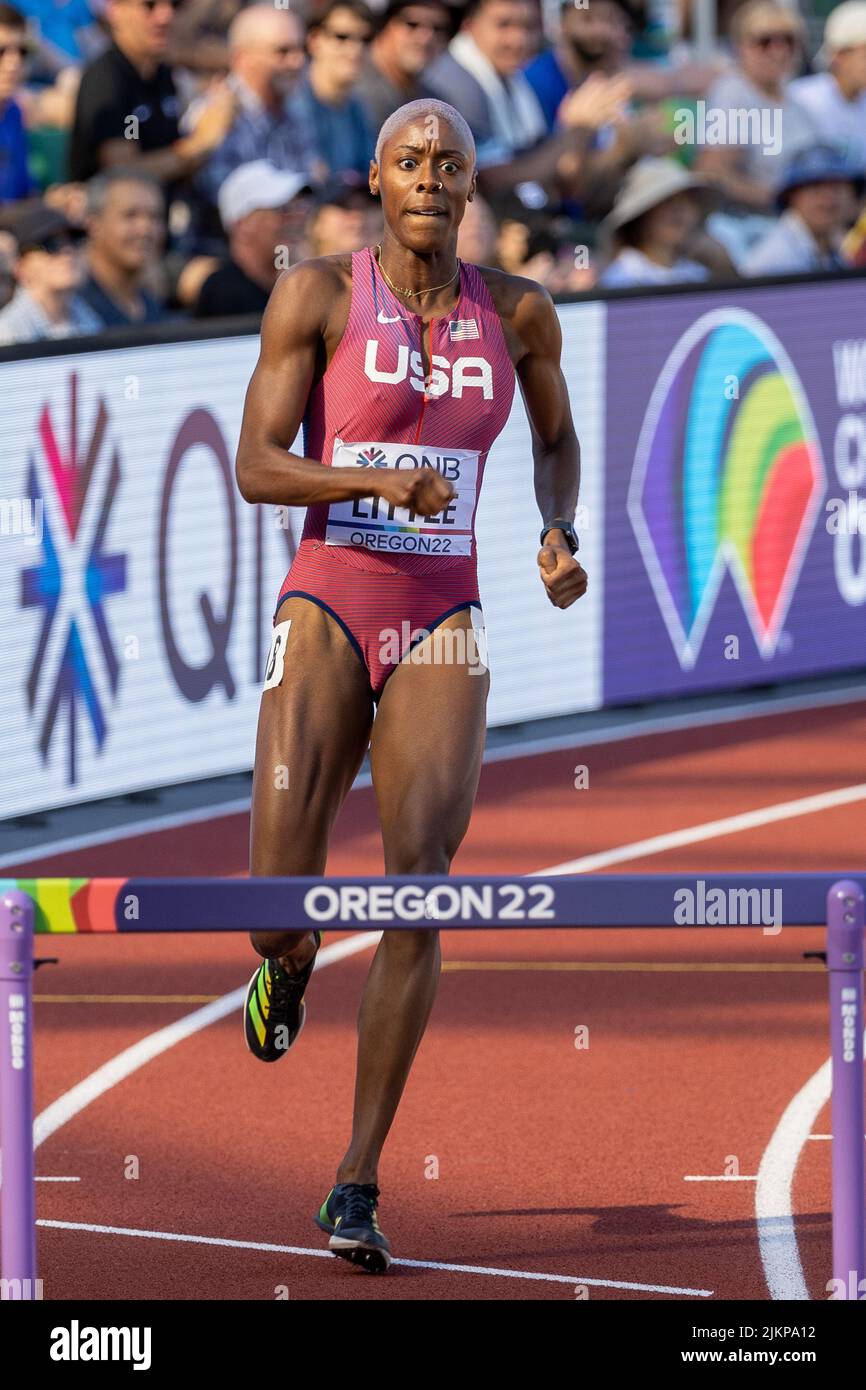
(247, 475)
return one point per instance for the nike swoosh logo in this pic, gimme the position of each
(383, 318)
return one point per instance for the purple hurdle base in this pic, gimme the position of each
(845, 925)
(17, 1201)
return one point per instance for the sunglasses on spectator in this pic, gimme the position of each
(150, 5)
(766, 41)
(342, 37)
(22, 49)
(441, 31)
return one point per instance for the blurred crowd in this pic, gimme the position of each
(167, 159)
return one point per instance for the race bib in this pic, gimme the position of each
(371, 523)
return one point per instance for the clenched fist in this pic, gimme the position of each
(422, 490)
(563, 577)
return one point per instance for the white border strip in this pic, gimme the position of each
(412, 1264)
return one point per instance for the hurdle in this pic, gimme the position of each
(771, 902)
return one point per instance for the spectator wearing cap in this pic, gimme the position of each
(768, 40)
(48, 273)
(836, 98)
(125, 215)
(347, 217)
(656, 213)
(264, 212)
(267, 58)
(15, 45)
(411, 34)
(127, 109)
(816, 200)
(338, 35)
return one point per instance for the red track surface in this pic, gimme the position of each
(551, 1159)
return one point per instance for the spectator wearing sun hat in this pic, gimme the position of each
(816, 200)
(658, 209)
(836, 98)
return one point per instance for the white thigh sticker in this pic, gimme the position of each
(276, 655)
(479, 632)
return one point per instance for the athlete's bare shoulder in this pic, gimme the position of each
(526, 311)
(310, 301)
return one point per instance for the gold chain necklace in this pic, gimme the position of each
(411, 294)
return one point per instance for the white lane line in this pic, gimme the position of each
(118, 1068)
(719, 1177)
(777, 1238)
(615, 733)
(412, 1264)
(710, 830)
(58, 1179)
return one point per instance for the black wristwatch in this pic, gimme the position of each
(560, 524)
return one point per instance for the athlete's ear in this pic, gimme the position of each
(373, 178)
(472, 188)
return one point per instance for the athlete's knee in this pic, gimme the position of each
(408, 857)
(272, 944)
(409, 944)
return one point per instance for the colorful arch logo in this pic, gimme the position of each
(728, 475)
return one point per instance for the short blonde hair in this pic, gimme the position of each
(773, 10)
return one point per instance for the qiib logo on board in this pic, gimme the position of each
(74, 470)
(728, 475)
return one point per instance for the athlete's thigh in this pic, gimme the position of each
(426, 749)
(313, 732)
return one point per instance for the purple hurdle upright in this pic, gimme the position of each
(845, 926)
(17, 1204)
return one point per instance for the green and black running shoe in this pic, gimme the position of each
(348, 1214)
(274, 1011)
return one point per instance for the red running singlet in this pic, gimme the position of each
(386, 575)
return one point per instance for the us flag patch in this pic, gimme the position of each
(461, 329)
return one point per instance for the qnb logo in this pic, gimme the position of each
(74, 667)
(77, 1343)
(372, 458)
(728, 477)
(465, 372)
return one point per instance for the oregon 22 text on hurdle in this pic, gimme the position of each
(410, 902)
